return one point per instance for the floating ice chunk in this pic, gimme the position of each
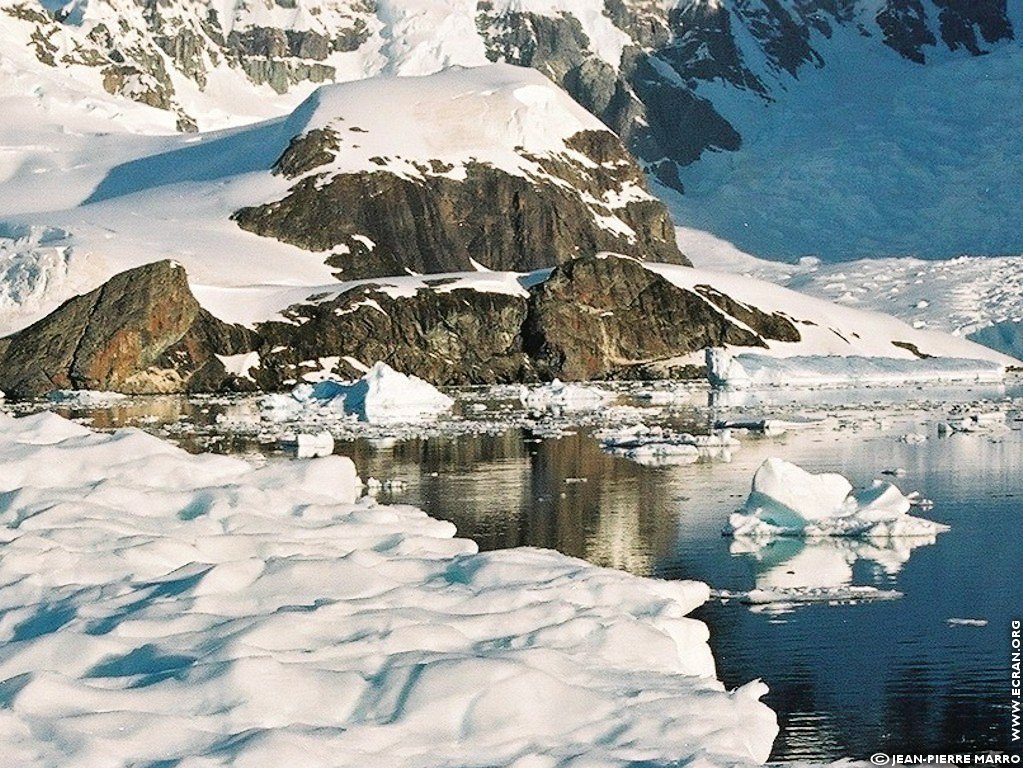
(654, 447)
(975, 422)
(664, 396)
(382, 395)
(789, 501)
(557, 395)
(308, 446)
(768, 427)
(750, 370)
(787, 496)
(783, 598)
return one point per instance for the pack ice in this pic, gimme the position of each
(786, 500)
(159, 608)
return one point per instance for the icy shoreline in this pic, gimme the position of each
(158, 606)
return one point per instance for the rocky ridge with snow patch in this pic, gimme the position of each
(600, 317)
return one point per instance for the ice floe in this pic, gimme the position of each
(84, 398)
(789, 501)
(655, 446)
(557, 395)
(158, 607)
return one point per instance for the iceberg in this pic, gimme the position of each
(383, 395)
(786, 500)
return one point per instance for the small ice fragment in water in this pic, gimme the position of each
(313, 446)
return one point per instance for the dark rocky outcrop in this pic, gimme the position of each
(594, 318)
(960, 21)
(904, 26)
(434, 223)
(455, 337)
(599, 318)
(140, 332)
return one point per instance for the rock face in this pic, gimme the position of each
(492, 166)
(605, 317)
(594, 318)
(141, 332)
(384, 223)
(446, 337)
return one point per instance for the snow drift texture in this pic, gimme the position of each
(162, 608)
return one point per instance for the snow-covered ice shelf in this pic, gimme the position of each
(752, 370)
(194, 610)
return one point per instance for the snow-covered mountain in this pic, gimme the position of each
(477, 166)
(490, 167)
(596, 317)
(794, 126)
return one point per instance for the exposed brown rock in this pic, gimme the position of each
(438, 224)
(594, 318)
(140, 332)
(601, 317)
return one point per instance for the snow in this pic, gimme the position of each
(487, 114)
(980, 298)
(749, 371)
(108, 202)
(863, 156)
(240, 365)
(381, 396)
(159, 607)
(786, 500)
(827, 328)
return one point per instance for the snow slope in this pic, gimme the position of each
(163, 608)
(867, 156)
(980, 298)
(845, 147)
(826, 328)
(78, 209)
